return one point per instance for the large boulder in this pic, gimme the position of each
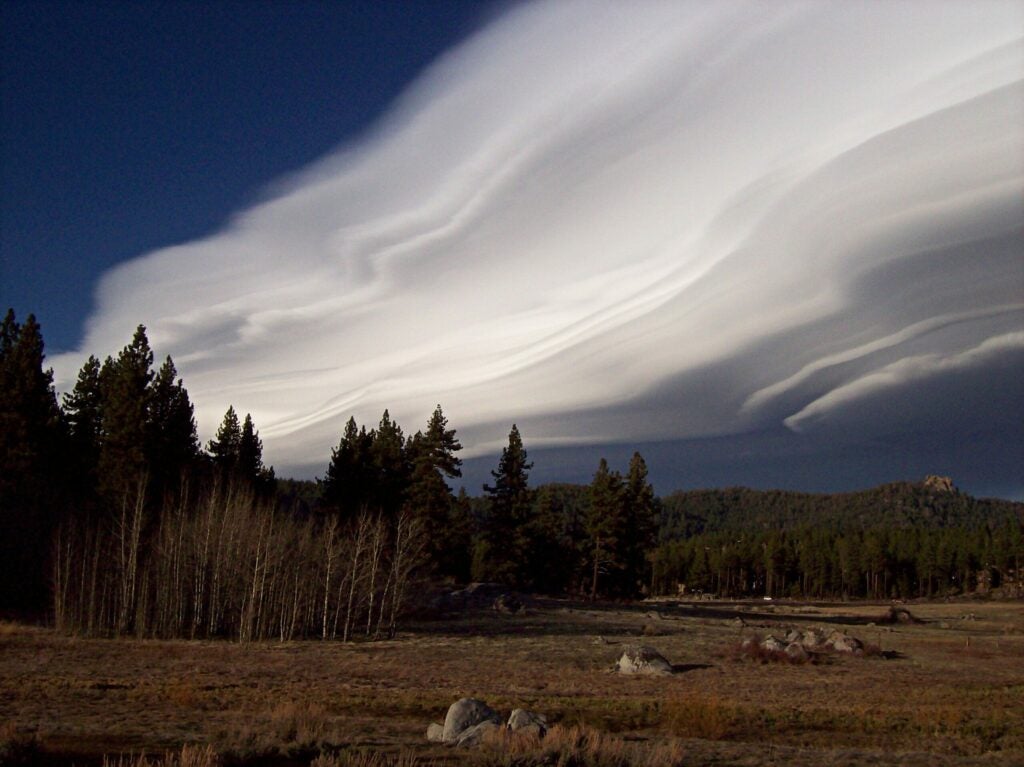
(640, 659)
(466, 713)
(527, 722)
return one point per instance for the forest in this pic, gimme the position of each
(115, 520)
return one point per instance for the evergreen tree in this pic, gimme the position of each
(390, 472)
(605, 526)
(30, 477)
(83, 413)
(432, 457)
(503, 545)
(349, 483)
(225, 446)
(124, 384)
(173, 445)
(641, 528)
(249, 464)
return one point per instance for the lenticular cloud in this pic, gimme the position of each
(624, 221)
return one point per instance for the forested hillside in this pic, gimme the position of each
(934, 503)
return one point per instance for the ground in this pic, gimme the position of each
(950, 691)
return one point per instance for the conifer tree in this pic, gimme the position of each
(82, 408)
(605, 525)
(641, 525)
(249, 465)
(30, 477)
(124, 384)
(348, 484)
(433, 459)
(224, 447)
(390, 472)
(503, 544)
(173, 445)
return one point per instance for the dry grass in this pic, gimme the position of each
(187, 756)
(954, 694)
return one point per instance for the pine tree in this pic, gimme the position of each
(349, 483)
(432, 457)
(124, 384)
(605, 525)
(82, 408)
(30, 476)
(390, 472)
(641, 526)
(249, 464)
(503, 546)
(172, 444)
(224, 447)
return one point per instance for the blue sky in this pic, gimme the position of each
(775, 245)
(130, 126)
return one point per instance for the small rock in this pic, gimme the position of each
(435, 732)
(772, 644)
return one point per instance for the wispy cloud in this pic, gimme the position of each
(621, 221)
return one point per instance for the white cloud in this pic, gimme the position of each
(905, 372)
(588, 201)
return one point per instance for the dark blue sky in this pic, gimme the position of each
(126, 126)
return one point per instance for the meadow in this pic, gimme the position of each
(948, 690)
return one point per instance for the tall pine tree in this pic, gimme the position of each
(172, 442)
(124, 384)
(502, 549)
(605, 526)
(30, 474)
(434, 461)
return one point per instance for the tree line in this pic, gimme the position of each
(115, 520)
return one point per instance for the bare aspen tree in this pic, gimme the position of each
(362, 534)
(130, 536)
(330, 542)
(378, 536)
(407, 555)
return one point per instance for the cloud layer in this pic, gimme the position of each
(618, 222)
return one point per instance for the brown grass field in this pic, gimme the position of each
(951, 691)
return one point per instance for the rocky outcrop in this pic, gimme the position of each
(800, 646)
(939, 484)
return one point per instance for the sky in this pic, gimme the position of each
(777, 244)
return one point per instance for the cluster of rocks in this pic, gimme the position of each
(799, 645)
(477, 596)
(469, 721)
(641, 659)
